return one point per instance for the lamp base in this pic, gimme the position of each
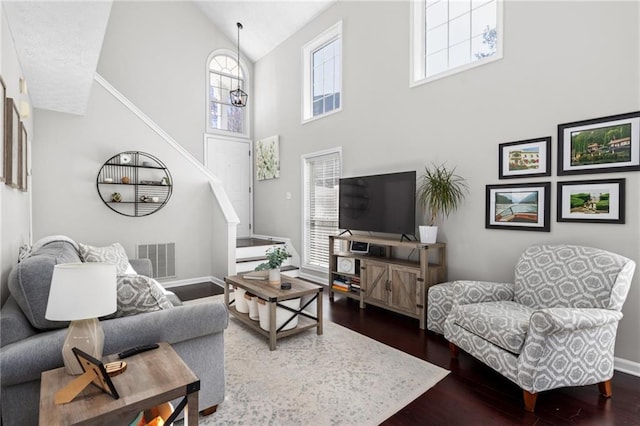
(86, 335)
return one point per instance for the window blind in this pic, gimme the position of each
(321, 182)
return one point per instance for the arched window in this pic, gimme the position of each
(223, 77)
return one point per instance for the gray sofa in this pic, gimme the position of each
(195, 331)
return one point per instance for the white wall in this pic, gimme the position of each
(154, 53)
(14, 204)
(563, 61)
(68, 153)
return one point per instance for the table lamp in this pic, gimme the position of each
(80, 293)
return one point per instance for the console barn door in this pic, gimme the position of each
(230, 160)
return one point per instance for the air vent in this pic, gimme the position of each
(162, 257)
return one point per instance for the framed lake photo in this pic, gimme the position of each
(591, 201)
(528, 158)
(601, 145)
(521, 206)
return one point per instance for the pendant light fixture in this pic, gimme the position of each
(238, 96)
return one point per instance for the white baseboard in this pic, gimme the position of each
(626, 366)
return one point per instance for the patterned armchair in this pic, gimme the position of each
(555, 326)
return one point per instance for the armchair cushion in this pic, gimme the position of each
(505, 324)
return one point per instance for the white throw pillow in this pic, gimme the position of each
(113, 254)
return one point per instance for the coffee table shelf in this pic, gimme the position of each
(272, 295)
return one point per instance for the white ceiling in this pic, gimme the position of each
(59, 42)
(266, 23)
(58, 46)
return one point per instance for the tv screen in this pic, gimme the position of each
(379, 203)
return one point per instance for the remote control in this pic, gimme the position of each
(137, 350)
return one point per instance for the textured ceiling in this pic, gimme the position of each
(266, 23)
(59, 42)
(58, 46)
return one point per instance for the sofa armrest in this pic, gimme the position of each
(466, 292)
(171, 325)
(25, 360)
(142, 266)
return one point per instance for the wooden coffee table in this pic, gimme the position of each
(151, 378)
(272, 295)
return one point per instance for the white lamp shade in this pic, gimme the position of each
(81, 291)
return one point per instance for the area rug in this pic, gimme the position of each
(338, 378)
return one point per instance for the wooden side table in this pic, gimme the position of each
(152, 378)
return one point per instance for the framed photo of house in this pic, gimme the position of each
(12, 134)
(601, 145)
(527, 158)
(591, 201)
(23, 157)
(521, 206)
(3, 136)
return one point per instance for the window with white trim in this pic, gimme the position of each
(223, 77)
(322, 171)
(322, 79)
(450, 36)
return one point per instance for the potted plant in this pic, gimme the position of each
(275, 256)
(440, 191)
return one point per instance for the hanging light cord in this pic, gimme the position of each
(239, 28)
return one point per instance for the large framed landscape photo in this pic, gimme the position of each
(528, 158)
(591, 201)
(600, 145)
(523, 206)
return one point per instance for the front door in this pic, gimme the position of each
(229, 160)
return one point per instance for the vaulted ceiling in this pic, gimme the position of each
(58, 43)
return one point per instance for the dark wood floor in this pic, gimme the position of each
(474, 394)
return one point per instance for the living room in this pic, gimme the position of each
(561, 62)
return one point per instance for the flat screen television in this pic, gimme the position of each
(379, 203)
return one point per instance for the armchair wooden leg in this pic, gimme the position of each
(605, 388)
(453, 349)
(529, 400)
(209, 410)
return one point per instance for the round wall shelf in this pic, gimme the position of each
(134, 183)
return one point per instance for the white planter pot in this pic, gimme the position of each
(241, 303)
(428, 234)
(274, 276)
(282, 315)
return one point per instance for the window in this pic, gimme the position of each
(223, 77)
(322, 74)
(322, 172)
(450, 36)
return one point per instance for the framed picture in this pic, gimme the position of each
(591, 201)
(3, 136)
(521, 206)
(601, 145)
(12, 134)
(528, 158)
(267, 154)
(23, 154)
(101, 378)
